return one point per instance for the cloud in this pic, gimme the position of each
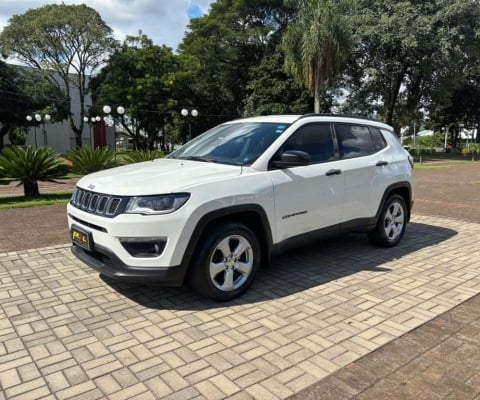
(164, 21)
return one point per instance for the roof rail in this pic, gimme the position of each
(338, 115)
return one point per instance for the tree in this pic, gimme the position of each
(218, 51)
(317, 43)
(272, 91)
(141, 75)
(460, 107)
(24, 91)
(66, 42)
(411, 54)
(11, 105)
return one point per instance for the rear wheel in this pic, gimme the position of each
(391, 223)
(226, 262)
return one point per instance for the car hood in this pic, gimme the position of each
(156, 177)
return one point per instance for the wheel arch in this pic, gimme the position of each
(251, 215)
(403, 189)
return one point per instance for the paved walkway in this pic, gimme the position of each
(313, 326)
(63, 185)
(65, 330)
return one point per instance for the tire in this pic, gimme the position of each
(218, 272)
(391, 223)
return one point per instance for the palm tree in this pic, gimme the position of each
(316, 44)
(29, 167)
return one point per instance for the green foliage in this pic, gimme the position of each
(426, 145)
(473, 149)
(21, 92)
(85, 160)
(461, 106)
(411, 54)
(317, 44)
(65, 42)
(272, 91)
(17, 136)
(218, 52)
(141, 74)
(29, 167)
(136, 156)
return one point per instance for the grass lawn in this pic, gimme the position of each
(5, 181)
(43, 200)
(441, 164)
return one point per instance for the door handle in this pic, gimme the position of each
(381, 163)
(331, 172)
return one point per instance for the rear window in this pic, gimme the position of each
(354, 140)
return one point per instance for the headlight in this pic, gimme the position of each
(154, 205)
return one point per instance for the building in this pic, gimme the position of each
(60, 136)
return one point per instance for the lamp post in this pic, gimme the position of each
(46, 118)
(193, 113)
(120, 111)
(91, 122)
(37, 118)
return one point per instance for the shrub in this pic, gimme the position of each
(473, 149)
(85, 160)
(29, 167)
(136, 156)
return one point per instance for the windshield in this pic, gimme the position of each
(236, 144)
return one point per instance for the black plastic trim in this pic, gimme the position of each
(306, 238)
(166, 276)
(388, 192)
(224, 212)
(93, 226)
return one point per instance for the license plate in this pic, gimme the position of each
(81, 238)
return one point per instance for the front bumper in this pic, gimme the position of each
(105, 262)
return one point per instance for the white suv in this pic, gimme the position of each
(216, 209)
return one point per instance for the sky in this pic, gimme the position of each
(164, 21)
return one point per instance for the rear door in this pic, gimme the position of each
(364, 163)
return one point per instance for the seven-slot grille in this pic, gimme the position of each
(97, 203)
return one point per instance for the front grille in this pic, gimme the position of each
(98, 203)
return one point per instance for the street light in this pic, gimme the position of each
(120, 111)
(91, 122)
(193, 113)
(46, 118)
(37, 118)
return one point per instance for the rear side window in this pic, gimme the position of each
(354, 140)
(378, 140)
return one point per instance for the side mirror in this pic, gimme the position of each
(292, 158)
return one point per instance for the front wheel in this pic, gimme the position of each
(391, 223)
(226, 262)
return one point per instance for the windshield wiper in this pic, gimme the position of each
(198, 158)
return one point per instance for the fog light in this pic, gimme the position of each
(144, 247)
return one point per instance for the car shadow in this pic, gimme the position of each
(295, 271)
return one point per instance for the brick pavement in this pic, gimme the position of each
(67, 332)
(34, 227)
(63, 185)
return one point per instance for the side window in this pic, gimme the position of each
(378, 139)
(314, 139)
(354, 140)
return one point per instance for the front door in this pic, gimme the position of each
(308, 198)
